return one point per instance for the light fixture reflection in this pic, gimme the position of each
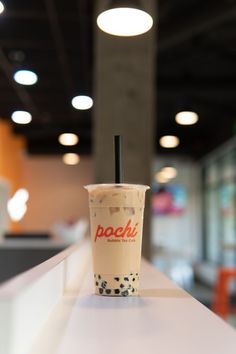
(169, 141)
(82, 102)
(160, 178)
(2, 8)
(16, 206)
(186, 118)
(68, 139)
(71, 159)
(169, 172)
(25, 77)
(124, 21)
(21, 117)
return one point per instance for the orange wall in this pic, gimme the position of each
(56, 191)
(11, 152)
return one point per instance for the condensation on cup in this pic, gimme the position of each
(116, 224)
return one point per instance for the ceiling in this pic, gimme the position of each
(196, 69)
(54, 40)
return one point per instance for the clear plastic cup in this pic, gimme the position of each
(116, 224)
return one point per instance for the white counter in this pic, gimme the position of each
(163, 319)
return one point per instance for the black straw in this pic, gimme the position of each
(118, 159)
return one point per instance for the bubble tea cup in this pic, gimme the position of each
(116, 223)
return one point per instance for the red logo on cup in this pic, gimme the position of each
(125, 231)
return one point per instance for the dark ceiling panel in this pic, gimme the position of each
(48, 38)
(195, 70)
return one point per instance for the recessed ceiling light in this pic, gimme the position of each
(169, 141)
(82, 102)
(68, 139)
(169, 172)
(124, 21)
(21, 117)
(25, 77)
(71, 159)
(1, 7)
(17, 56)
(186, 118)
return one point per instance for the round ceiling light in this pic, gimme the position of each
(21, 117)
(71, 159)
(82, 102)
(124, 21)
(1, 7)
(186, 118)
(68, 139)
(169, 141)
(25, 77)
(169, 172)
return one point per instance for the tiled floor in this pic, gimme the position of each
(202, 293)
(232, 320)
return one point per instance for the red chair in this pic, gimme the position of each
(221, 293)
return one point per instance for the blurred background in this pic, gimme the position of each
(66, 87)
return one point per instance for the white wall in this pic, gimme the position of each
(56, 191)
(180, 235)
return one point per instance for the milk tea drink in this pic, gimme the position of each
(116, 222)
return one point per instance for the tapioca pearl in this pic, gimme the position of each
(122, 286)
(99, 277)
(96, 283)
(117, 291)
(117, 278)
(125, 293)
(130, 286)
(101, 290)
(126, 278)
(133, 279)
(133, 290)
(108, 291)
(104, 284)
(136, 273)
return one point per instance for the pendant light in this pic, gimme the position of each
(2, 7)
(186, 118)
(21, 117)
(125, 19)
(169, 141)
(25, 77)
